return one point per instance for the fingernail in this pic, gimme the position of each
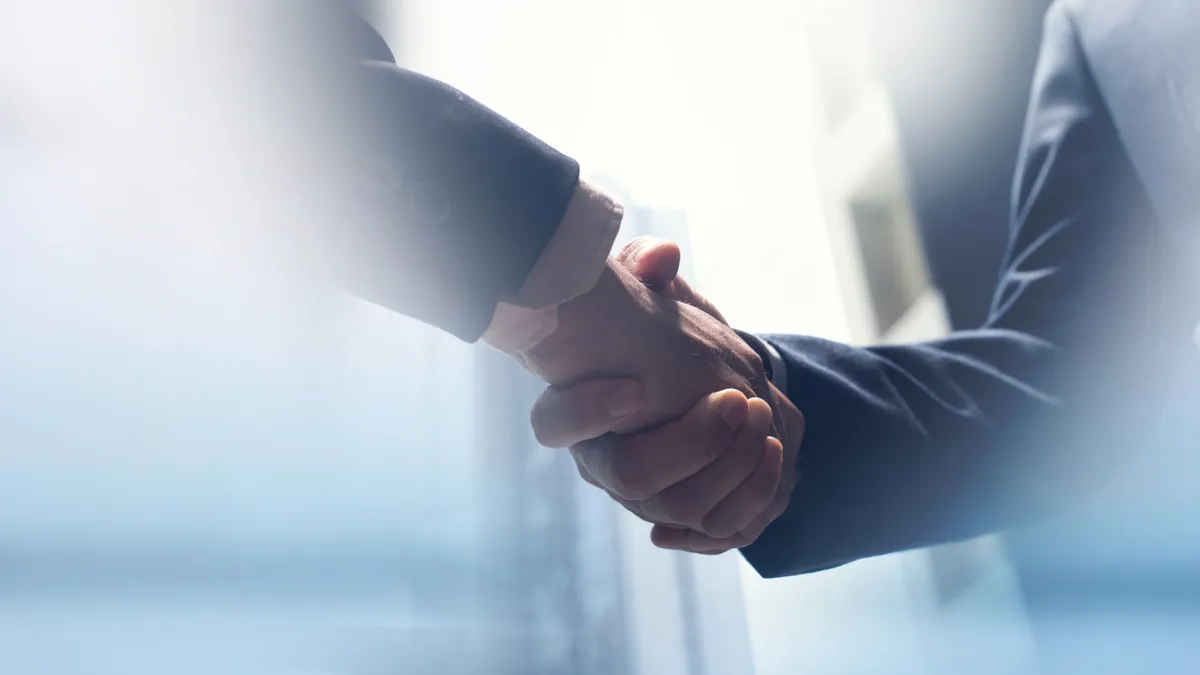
(761, 417)
(733, 410)
(773, 449)
(626, 399)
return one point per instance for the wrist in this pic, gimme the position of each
(570, 266)
(773, 364)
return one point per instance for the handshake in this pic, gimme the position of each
(665, 407)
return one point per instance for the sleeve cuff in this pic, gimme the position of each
(569, 267)
(772, 361)
(779, 374)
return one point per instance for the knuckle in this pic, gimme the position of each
(716, 547)
(628, 481)
(752, 365)
(540, 419)
(680, 511)
(584, 474)
(592, 461)
(633, 489)
(638, 509)
(719, 527)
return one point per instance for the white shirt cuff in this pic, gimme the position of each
(569, 267)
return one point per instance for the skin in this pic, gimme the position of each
(669, 412)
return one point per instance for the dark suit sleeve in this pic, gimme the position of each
(908, 446)
(465, 201)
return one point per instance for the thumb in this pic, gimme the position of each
(654, 261)
(681, 291)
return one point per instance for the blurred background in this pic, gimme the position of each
(216, 486)
(854, 148)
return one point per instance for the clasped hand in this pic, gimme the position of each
(665, 407)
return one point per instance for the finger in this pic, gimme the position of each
(678, 539)
(652, 260)
(655, 262)
(696, 542)
(750, 499)
(689, 501)
(564, 416)
(639, 466)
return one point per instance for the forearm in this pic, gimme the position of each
(906, 446)
(466, 202)
(472, 223)
(985, 430)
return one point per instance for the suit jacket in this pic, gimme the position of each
(1093, 314)
(471, 199)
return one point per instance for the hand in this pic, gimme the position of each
(683, 511)
(790, 431)
(656, 263)
(710, 479)
(677, 352)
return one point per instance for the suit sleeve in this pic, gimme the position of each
(995, 428)
(463, 201)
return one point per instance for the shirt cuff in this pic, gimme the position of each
(569, 267)
(779, 374)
